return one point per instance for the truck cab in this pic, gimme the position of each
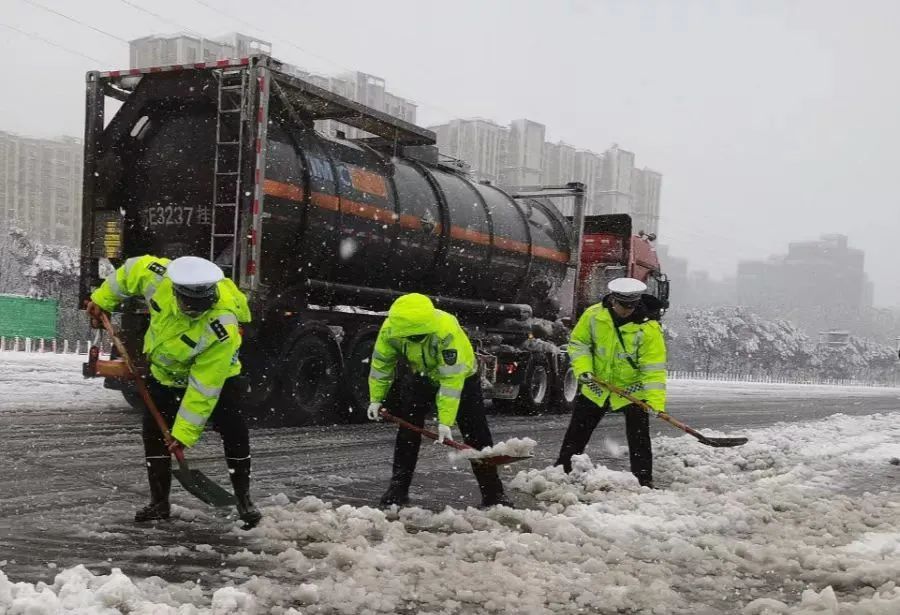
(539, 378)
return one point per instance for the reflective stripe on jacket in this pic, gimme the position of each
(195, 354)
(594, 347)
(445, 356)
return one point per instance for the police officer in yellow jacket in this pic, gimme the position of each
(192, 346)
(617, 343)
(438, 369)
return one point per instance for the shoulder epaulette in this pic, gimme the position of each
(219, 329)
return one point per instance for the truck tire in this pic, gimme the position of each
(357, 361)
(564, 393)
(534, 392)
(133, 398)
(310, 379)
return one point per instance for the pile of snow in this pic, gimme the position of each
(514, 447)
(766, 528)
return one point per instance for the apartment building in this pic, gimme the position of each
(40, 187)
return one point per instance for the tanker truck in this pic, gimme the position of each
(223, 160)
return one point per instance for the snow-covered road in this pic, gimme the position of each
(803, 519)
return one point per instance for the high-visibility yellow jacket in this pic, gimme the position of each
(445, 356)
(196, 354)
(594, 347)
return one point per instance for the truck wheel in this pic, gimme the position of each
(133, 398)
(310, 380)
(357, 361)
(534, 392)
(565, 393)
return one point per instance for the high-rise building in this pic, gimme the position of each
(477, 141)
(518, 157)
(559, 164)
(645, 191)
(818, 284)
(362, 88)
(40, 187)
(690, 288)
(559, 169)
(183, 48)
(614, 188)
(523, 162)
(399, 107)
(588, 169)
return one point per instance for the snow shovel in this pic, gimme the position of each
(496, 460)
(595, 385)
(195, 482)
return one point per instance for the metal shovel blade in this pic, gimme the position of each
(723, 442)
(203, 488)
(499, 460)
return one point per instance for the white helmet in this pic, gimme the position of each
(194, 281)
(626, 291)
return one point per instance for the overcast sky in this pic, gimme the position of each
(770, 121)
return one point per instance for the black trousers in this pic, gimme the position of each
(585, 418)
(412, 397)
(226, 419)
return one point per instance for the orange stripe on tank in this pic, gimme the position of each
(379, 214)
(325, 201)
(369, 212)
(282, 190)
(467, 234)
(550, 254)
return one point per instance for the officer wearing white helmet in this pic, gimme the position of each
(618, 342)
(195, 282)
(192, 347)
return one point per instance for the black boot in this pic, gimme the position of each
(239, 469)
(490, 486)
(640, 449)
(159, 475)
(646, 481)
(397, 493)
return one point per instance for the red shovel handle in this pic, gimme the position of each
(496, 460)
(142, 388)
(425, 432)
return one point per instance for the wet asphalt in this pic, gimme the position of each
(72, 479)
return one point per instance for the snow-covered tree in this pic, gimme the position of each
(34, 269)
(735, 340)
(859, 358)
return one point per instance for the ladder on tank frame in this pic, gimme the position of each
(231, 103)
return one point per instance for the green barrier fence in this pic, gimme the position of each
(27, 317)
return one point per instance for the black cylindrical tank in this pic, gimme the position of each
(334, 210)
(396, 223)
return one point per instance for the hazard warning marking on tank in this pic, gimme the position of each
(368, 182)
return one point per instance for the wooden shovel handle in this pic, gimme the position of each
(142, 388)
(595, 384)
(425, 432)
(648, 408)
